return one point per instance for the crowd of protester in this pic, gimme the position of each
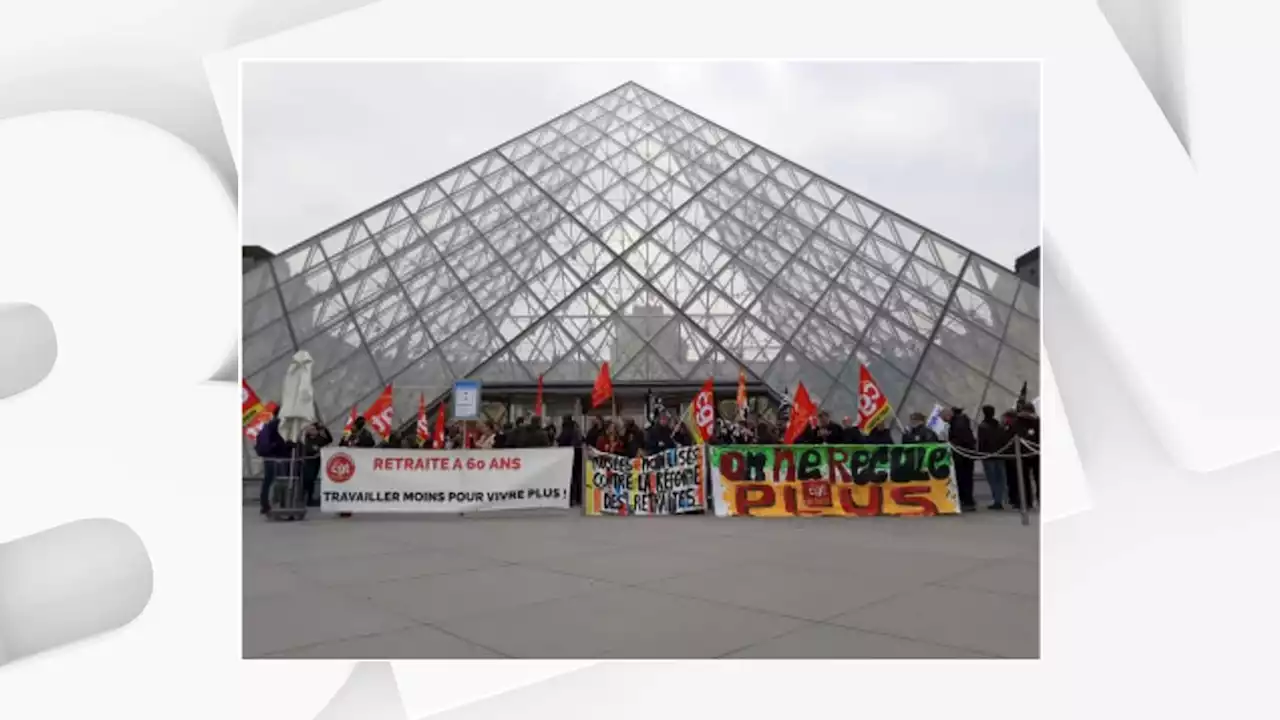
(991, 443)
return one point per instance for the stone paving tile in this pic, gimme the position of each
(1018, 577)
(441, 597)
(523, 549)
(796, 592)
(624, 622)
(631, 566)
(999, 624)
(831, 642)
(288, 620)
(389, 566)
(422, 641)
(263, 580)
(314, 543)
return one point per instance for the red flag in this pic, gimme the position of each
(438, 440)
(250, 403)
(537, 402)
(424, 430)
(380, 414)
(603, 389)
(801, 410)
(742, 394)
(253, 414)
(351, 423)
(872, 404)
(700, 418)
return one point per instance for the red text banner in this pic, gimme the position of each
(444, 481)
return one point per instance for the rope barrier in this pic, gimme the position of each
(975, 455)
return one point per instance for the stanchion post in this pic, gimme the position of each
(1022, 487)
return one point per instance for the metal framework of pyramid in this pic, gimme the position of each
(632, 230)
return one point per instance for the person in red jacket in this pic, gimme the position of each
(610, 442)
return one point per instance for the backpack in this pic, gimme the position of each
(265, 445)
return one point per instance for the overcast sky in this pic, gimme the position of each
(953, 146)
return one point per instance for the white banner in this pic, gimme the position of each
(444, 481)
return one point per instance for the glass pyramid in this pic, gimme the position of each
(632, 230)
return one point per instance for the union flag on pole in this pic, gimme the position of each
(380, 414)
(254, 415)
(603, 389)
(250, 403)
(438, 439)
(700, 418)
(802, 409)
(742, 394)
(351, 423)
(537, 402)
(424, 430)
(872, 404)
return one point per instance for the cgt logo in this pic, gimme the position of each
(340, 468)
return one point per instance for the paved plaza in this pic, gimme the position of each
(556, 584)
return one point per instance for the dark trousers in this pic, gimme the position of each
(1011, 476)
(310, 473)
(268, 478)
(1030, 480)
(575, 487)
(964, 480)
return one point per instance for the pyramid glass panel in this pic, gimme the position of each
(634, 231)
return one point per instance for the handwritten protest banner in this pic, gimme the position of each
(845, 480)
(669, 483)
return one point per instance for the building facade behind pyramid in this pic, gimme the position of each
(633, 231)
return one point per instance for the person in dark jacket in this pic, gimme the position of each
(1028, 428)
(765, 434)
(315, 437)
(632, 438)
(361, 435)
(992, 438)
(681, 436)
(594, 431)
(570, 435)
(501, 437)
(880, 435)
(960, 435)
(275, 453)
(659, 437)
(534, 435)
(828, 432)
(919, 432)
(851, 435)
(1025, 425)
